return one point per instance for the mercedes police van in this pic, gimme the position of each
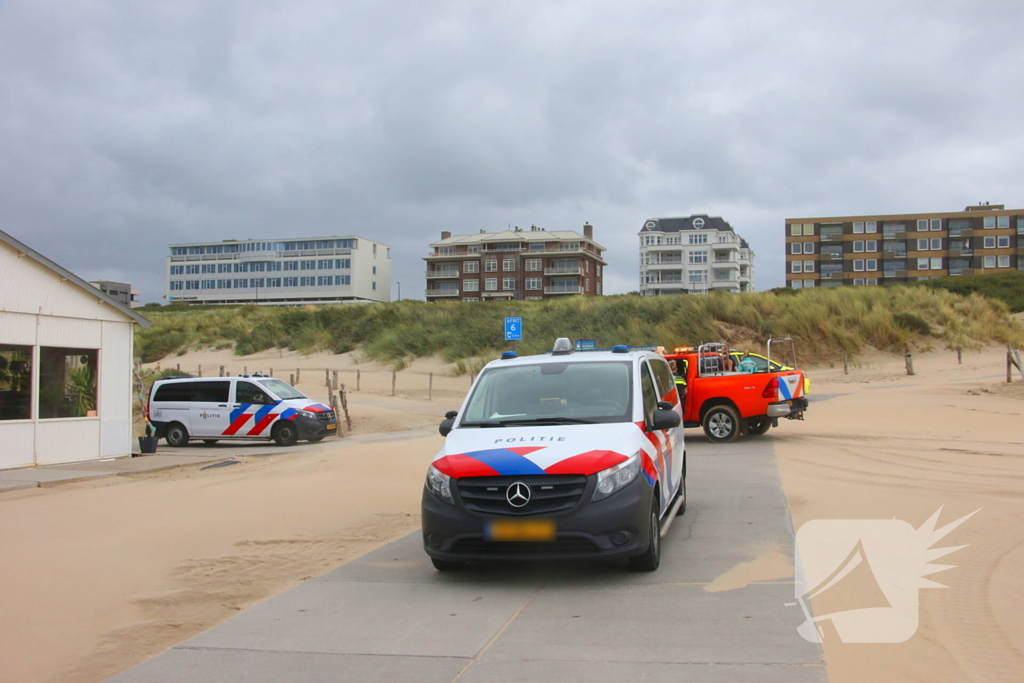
(236, 408)
(562, 455)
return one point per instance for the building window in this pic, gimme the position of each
(990, 261)
(533, 264)
(471, 267)
(936, 224)
(15, 382)
(922, 264)
(1004, 261)
(491, 266)
(473, 249)
(808, 248)
(491, 284)
(990, 222)
(858, 227)
(871, 264)
(698, 257)
(701, 238)
(796, 248)
(177, 270)
(177, 285)
(808, 266)
(922, 224)
(67, 382)
(936, 243)
(922, 245)
(307, 281)
(871, 245)
(471, 299)
(508, 264)
(1002, 221)
(471, 285)
(808, 229)
(796, 284)
(795, 230)
(858, 265)
(1003, 241)
(870, 226)
(858, 281)
(508, 283)
(990, 242)
(342, 279)
(533, 283)
(291, 282)
(858, 246)
(936, 263)
(796, 266)
(699, 277)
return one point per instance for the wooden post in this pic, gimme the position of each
(291, 380)
(1009, 365)
(430, 388)
(344, 406)
(910, 362)
(846, 364)
(178, 367)
(959, 356)
(222, 371)
(394, 376)
(358, 374)
(200, 371)
(335, 383)
(298, 374)
(271, 372)
(245, 369)
(1015, 355)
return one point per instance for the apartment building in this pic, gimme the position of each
(693, 255)
(898, 248)
(515, 264)
(121, 292)
(282, 271)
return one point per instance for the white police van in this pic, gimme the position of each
(562, 455)
(236, 408)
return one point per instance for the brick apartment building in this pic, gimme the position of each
(898, 248)
(515, 264)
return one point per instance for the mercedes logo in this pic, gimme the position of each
(518, 495)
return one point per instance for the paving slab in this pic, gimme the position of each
(54, 475)
(14, 485)
(383, 614)
(145, 463)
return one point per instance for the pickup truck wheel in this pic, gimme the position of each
(651, 558)
(722, 424)
(758, 427)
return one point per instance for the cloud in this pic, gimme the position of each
(125, 127)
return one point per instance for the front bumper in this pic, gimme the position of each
(616, 527)
(314, 428)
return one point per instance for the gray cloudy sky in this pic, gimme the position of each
(126, 126)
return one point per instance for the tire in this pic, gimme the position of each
(176, 435)
(757, 427)
(682, 492)
(447, 565)
(649, 560)
(209, 442)
(315, 439)
(722, 424)
(285, 434)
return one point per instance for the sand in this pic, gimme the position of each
(100, 575)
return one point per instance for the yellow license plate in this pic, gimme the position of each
(332, 426)
(521, 530)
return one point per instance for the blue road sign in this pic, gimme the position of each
(513, 329)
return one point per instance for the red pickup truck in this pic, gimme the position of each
(728, 401)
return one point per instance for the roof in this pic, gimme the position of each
(580, 356)
(516, 236)
(71, 277)
(698, 221)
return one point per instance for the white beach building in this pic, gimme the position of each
(66, 354)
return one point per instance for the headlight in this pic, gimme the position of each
(440, 485)
(614, 478)
(306, 413)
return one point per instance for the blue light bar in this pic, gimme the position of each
(505, 355)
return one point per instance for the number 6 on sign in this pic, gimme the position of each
(513, 329)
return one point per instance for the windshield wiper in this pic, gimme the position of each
(488, 423)
(548, 420)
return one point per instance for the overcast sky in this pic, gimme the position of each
(126, 126)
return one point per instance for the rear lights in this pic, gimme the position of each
(772, 390)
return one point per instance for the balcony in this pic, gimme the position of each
(575, 289)
(447, 291)
(902, 235)
(834, 275)
(894, 273)
(652, 266)
(499, 294)
(438, 274)
(961, 232)
(961, 252)
(894, 254)
(833, 238)
(561, 270)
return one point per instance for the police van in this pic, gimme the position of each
(562, 455)
(236, 408)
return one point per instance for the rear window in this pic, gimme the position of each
(207, 392)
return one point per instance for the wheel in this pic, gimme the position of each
(285, 434)
(176, 435)
(757, 427)
(649, 560)
(209, 442)
(315, 439)
(722, 424)
(447, 565)
(682, 492)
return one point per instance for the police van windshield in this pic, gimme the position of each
(283, 390)
(551, 393)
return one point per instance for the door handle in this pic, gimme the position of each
(223, 405)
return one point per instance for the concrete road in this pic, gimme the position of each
(389, 616)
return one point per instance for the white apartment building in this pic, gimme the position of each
(282, 271)
(693, 255)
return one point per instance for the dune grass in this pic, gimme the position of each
(1007, 286)
(825, 323)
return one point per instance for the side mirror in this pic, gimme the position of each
(451, 415)
(665, 419)
(446, 426)
(664, 405)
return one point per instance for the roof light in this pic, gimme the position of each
(563, 347)
(505, 355)
(620, 348)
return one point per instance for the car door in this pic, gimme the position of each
(671, 393)
(659, 439)
(209, 415)
(251, 410)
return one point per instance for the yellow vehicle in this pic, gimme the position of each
(763, 365)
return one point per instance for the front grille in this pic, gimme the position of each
(563, 546)
(326, 417)
(550, 493)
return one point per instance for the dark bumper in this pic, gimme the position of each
(314, 428)
(616, 527)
